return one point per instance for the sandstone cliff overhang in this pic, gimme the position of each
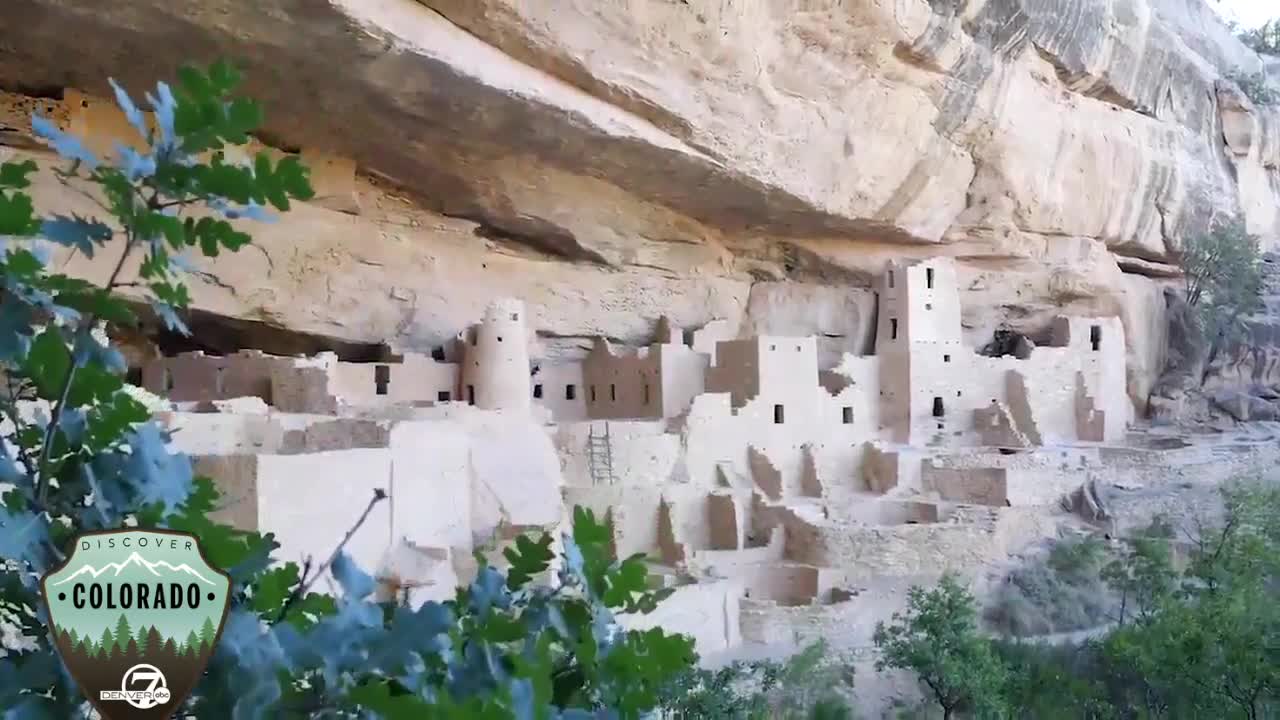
(895, 123)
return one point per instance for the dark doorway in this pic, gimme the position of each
(938, 409)
(570, 392)
(381, 378)
(537, 391)
(471, 394)
(778, 416)
(443, 396)
(1095, 337)
(846, 415)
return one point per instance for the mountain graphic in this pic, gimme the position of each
(133, 559)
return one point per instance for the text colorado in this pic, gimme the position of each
(141, 596)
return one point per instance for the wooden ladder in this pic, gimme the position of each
(600, 456)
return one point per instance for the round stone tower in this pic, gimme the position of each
(495, 372)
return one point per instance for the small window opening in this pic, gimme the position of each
(938, 409)
(846, 415)
(946, 358)
(471, 394)
(778, 416)
(499, 338)
(1095, 337)
(797, 348)
(613, 393)
(928, 277)
(570, 392)
(890, 278)
(593, 393)
(773, 347)
(646, 393)
(168, 380)
(437, 353)
(475, 338)
(537, 391)
(928, 306)
(219, 383)
(444, 396)
(381, 378)
(515, 317)
(893, 328)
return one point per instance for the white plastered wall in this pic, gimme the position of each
(781, 372)
(418, 378)
(562, 390)
(288, 486)
(709, 612)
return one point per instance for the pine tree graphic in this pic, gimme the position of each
(192, 645)
(207, 633)
(106, 644)
(123, 633)
(154, 645)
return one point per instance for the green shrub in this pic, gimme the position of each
(1061, 592)
(1264, 39)
(1255, 87)
(810, 685)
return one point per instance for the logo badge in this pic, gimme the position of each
(136, 615)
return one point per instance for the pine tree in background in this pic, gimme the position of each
(124, 633)
(170, 652)
(207, 633)
(192, 645)
(154, 644)
(106, 644)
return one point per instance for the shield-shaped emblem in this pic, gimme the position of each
(135, 615)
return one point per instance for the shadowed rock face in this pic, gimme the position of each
(664, 157)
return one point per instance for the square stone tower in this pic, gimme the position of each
(919, 341)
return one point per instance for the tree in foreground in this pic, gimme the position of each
(937, 638)
(1222, 272)
(89, 457)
